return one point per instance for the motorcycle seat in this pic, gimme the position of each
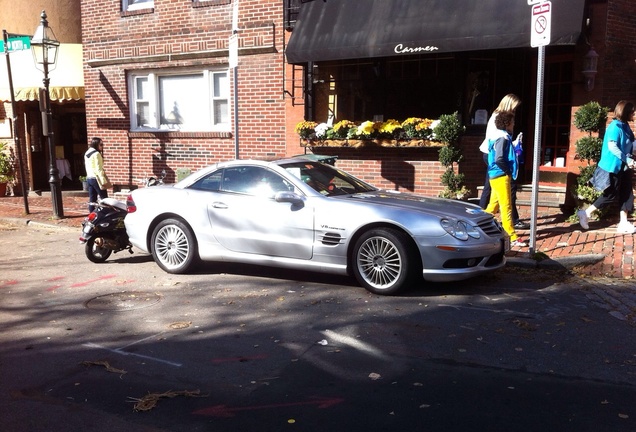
(112, 202)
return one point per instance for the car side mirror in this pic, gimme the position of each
(290, 197)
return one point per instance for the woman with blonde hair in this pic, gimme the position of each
(508, 103)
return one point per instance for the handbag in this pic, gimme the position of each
(600, 179)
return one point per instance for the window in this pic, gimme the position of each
(254, 181)
(131, 5)
(193, 101)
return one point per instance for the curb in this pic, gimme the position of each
(36, 224)
(562, 263)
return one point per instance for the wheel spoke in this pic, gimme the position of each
(379, 262)
(172, 246)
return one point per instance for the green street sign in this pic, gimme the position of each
(17, 43)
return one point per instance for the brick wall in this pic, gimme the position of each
(179, 33)
(617, 67)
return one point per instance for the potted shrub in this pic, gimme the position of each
(7, 168)
(84, 183)
(448, 131)
(589, 118)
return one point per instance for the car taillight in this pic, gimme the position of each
(130, 204)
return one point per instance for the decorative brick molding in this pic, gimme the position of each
(138, 12)
(208, 3)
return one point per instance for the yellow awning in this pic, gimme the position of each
(66, 80)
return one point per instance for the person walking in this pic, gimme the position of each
(502, 171)
(508, 103)
(95, 175)
(613, 175)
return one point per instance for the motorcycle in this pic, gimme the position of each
(104, 232)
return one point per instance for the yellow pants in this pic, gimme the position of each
(500, 200)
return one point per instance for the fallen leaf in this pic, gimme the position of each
(108, 367)
(149, 401)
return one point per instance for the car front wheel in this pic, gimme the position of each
(173, 246)
(382, 262)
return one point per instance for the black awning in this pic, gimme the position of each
(348, 29)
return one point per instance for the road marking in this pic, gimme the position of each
(81, 284)
(124, 353)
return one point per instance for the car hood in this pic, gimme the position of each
(440, 207)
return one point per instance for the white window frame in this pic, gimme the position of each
(131, 5)
(217, 91)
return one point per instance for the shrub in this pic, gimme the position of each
(590, 117)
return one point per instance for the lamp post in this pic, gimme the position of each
(44, 47)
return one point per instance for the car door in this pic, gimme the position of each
(245, 217)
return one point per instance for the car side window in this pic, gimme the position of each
(211, 182)
(253, 181)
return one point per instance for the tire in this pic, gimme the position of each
(94, 252)
(383, 261)
(173, 246)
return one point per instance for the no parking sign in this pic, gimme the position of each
(541, 23)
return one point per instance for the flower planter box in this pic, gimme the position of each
(370, 143)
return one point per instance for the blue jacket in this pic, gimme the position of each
(502, 159)
(617, 147)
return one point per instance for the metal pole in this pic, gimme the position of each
(233, 57)
(16, 138)
(538, 122)
(47, 129)
(236, 113)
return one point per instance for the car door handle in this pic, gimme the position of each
(219, 205)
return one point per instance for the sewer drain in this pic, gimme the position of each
(123, 301)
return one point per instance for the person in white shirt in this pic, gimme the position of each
(95, 175)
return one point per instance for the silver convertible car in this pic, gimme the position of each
(303, 214)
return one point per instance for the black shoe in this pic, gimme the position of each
(522, 225)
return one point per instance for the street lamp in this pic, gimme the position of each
(44, 47)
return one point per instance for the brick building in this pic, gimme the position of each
(160, 89)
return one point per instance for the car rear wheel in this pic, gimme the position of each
(382, 262)
(173, 246)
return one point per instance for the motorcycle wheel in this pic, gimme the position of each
(95, 253)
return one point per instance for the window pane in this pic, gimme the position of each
(221, 114)
(137, 4)
(142, 88)
(180, 106)
(221, 85)
(143, 114)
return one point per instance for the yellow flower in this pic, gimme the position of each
(390, 126)
(343, 125)
(366, 128)
(306, 128)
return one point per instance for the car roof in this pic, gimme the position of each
(235, 162)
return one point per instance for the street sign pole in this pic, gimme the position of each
(233, 60)
(16, 138)
(540, 37)
(538, 125)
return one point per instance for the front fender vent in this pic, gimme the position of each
(490, 226)
(331, 239)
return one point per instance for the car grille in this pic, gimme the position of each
(490, 226)
(331, 239)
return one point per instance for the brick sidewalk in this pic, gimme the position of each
(555, 237)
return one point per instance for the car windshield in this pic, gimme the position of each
(327, 180)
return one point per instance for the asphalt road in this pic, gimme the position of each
(123, 346)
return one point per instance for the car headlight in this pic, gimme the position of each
(461, 230)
